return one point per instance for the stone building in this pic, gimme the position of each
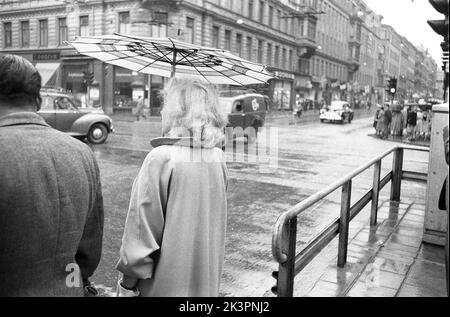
(321, 50)
(280, 34)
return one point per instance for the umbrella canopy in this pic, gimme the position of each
(169, 57)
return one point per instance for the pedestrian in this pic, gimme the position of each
(140, 108)
(380, 122)
(419, 132)
(173, 241)
(375, 119)
(387, 119)
(51, 206)
(411, 123)
(404, 120)
(397, 120)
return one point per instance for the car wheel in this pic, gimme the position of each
(322, 120)
(98, 133)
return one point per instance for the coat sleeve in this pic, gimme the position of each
(145, 220)
(90, 247)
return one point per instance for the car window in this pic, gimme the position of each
(237, 106)
(64, 103)
(47, 103)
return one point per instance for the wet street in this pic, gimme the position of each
(298, 160)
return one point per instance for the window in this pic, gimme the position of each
(84, 26)
(270, 16)
(261, 10)
(250, 9)
(7, 31)
(283, 58)
(62, 29)
(43, 32)
(260, 51)
(279, 19)
(277, 56)
(215, 37)
(269, 54)
(190, 35)
(312, 30)
(239, 44)
(124, 23)
(160, 23)
(228, 40)
(25, 33)
(290, 60)
(249, 47)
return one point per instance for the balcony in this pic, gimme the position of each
(353, 64)
(353, 40)
(161, 4)
(306, 47)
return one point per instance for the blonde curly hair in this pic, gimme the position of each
(191, 107)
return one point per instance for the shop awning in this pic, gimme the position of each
(47, 70)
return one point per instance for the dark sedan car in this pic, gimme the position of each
(60, 112)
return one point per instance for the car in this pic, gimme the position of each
(60, 112)
(245, 110)
(338, 111)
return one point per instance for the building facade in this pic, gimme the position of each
(319, 50)
(280, 34)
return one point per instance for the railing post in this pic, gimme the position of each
(344, 223)
(286, 274)
(397, 170)
(375, 193)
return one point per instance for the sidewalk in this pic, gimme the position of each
(404, 140)
(388, 260)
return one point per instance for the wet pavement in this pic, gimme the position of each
(308, 157)
(388, 260)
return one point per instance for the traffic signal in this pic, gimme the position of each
(88, 78)
(441, 27)
(392, 86)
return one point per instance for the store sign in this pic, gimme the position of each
(51, 56)
(284, 75)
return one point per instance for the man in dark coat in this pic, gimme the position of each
(51, 207)
(387, 121)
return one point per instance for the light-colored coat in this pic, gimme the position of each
(174, 235)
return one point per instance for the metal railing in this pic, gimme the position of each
(285, 230)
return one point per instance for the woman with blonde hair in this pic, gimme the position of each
(173, 242)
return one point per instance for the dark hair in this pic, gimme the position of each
(20, 82)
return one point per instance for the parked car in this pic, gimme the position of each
(338, 111)
(60, 112)
(244, 111)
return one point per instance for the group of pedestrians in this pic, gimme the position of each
(409, 122)
(51, 203)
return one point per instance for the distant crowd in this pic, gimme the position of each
(410, 122)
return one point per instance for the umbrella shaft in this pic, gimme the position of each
(174, 63)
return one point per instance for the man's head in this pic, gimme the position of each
(20, 85)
